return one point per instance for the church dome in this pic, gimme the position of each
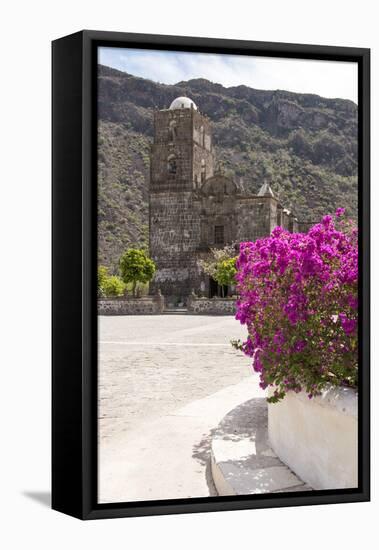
(183, 103)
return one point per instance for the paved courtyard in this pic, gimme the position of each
(151, 367)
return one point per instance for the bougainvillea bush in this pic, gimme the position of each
(298, 298)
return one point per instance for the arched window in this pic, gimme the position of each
(203, 172)
(172, 130)
(202, 135)
(171, 164)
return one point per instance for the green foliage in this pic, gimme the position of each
(114, 286)
(142, 289)
(213, 261)
(237, 344)
(109, 285)
(136, 267)
(226, 271)
(220, 264)
(102, 274)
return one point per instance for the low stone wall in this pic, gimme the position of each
(318, 438)
(214, 306)
(148, 305)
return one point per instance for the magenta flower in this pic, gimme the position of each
(340, 212)
(348, 325)
(299, 300)
(299, 345)
(353, 302)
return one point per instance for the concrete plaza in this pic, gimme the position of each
(151, 365)
(158, 376)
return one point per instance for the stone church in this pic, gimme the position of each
(195, 207)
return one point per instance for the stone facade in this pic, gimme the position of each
(194, 206)
(149, 305)
(214, 306)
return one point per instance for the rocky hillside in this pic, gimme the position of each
(304, 145)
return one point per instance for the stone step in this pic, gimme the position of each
(242, 461)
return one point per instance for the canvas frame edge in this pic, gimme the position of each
(74, 370)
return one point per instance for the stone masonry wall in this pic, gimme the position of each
(154, 305)
(130, 306)
(214, 306)
(181, 158)
(256, 218)
(174, 238)
(194, 207)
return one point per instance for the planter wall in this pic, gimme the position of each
(318, 438)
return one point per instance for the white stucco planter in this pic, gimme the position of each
(318, 438)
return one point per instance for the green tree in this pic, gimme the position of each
(102, 274)
(136, 267)
(225, 273)
(215, 257)
(114, 286)
(109, 285)
(220, 264)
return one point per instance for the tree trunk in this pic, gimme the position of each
(134, 288)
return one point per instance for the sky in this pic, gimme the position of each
(325, 78)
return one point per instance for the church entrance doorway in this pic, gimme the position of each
(221, 291)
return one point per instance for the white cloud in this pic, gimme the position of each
(324, 78)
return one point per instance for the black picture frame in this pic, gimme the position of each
(74, 332)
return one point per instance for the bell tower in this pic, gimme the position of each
(181, 160)
(182, 155)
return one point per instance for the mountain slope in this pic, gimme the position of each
(304, 145)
